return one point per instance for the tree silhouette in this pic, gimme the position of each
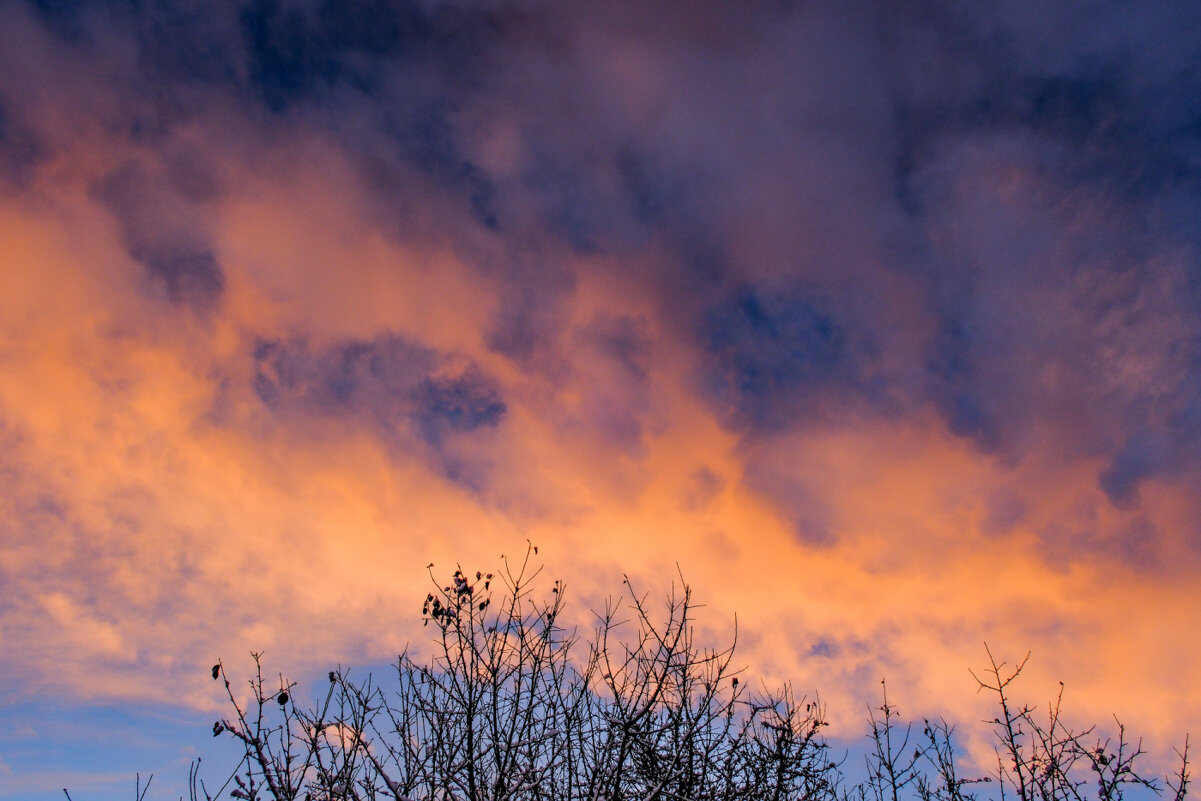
(514, 706)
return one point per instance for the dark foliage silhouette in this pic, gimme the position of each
(514, 706)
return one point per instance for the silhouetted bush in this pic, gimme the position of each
(515, 706)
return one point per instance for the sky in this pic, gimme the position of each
(878, 322)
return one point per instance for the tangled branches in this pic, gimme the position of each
(516, 707)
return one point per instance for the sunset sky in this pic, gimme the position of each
(881, 320)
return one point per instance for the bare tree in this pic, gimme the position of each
(514, 706)
(1046, 760)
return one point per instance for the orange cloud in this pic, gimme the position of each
(257, 370)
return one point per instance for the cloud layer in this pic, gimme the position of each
(882, 320)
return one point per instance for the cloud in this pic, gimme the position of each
(20, 148)
(779, 356)
(894, 308)
(163, 231)
(403, 393)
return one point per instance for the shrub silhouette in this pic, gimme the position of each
(514, 706)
